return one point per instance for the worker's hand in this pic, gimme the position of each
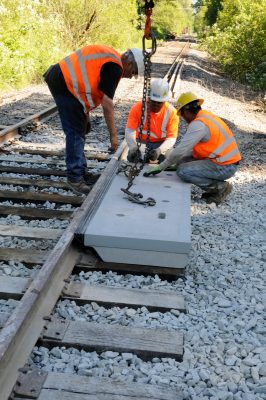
(114, 145)
(153, 171)
(153, 155)
(133, 155)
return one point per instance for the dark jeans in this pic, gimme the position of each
(74, 123)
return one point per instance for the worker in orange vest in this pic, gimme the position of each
(79, 83)
(207, 155)
(163, 125)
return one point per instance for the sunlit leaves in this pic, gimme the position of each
(238, 42)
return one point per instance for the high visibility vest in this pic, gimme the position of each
(163, 125)
(81, 71)
(222, 147)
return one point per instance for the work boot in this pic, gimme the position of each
(79, 187)
(90, 178)
(210, 191)
(222, 192)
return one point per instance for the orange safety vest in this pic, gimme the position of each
(222, 147)
(81, 71)
(163, 125)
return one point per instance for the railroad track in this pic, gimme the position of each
(40, 195)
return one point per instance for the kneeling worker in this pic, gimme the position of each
(207, 155)
(163, 124)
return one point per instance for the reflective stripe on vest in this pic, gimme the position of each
(166, 117)
(87, 101)
(228, 140)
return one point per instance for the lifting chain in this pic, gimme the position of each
(133, 170)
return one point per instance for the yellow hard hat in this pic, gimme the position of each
(186, 98)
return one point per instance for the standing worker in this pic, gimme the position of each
(207, 155)
(163, 124)
(79, 83)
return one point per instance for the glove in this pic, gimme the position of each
(153, 155)
(153, 171)
(133, 155)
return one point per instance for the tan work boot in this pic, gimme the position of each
(222, 192)
(79, 187)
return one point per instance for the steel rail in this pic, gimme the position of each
(25, 324)
(179, 62)
(13, 131)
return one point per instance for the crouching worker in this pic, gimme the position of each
(207, 155)
(163, 125)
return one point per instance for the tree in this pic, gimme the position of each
(237, 40)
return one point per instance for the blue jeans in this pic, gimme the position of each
(204, 173)
(74, 124)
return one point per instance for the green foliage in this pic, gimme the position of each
(25, 52)
(237, 40)
(111, 22)
(172, 16)
(117, 24)
(37, 33)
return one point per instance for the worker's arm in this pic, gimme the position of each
(109, 115)
(130, 136)
(167, 144)
(171, 133)
(196, 132)
(110, 75)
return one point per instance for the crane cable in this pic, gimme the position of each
(134, 169)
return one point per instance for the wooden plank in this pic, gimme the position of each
(24, 256)
(111, 295)
(89, 263)
(74, 387)
(42, 183)
(35, 213)
(13, 287)
(32, 171)
(33, 196)
(32, 160)
(147, 343)
(32, 233)
(50, 149)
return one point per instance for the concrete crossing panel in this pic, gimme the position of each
(126, 232)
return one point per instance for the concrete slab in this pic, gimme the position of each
(125, 232)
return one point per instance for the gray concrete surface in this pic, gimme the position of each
(125, 232)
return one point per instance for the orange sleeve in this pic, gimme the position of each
(172, 125)
(134, 116)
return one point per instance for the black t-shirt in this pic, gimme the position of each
(110, 75)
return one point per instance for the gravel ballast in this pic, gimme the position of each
(224, 289)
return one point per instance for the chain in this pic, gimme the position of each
(138, 165)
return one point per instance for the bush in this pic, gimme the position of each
(238, 41)
(28, 42)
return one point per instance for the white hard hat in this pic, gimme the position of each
(159, 90)
(139, 58)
